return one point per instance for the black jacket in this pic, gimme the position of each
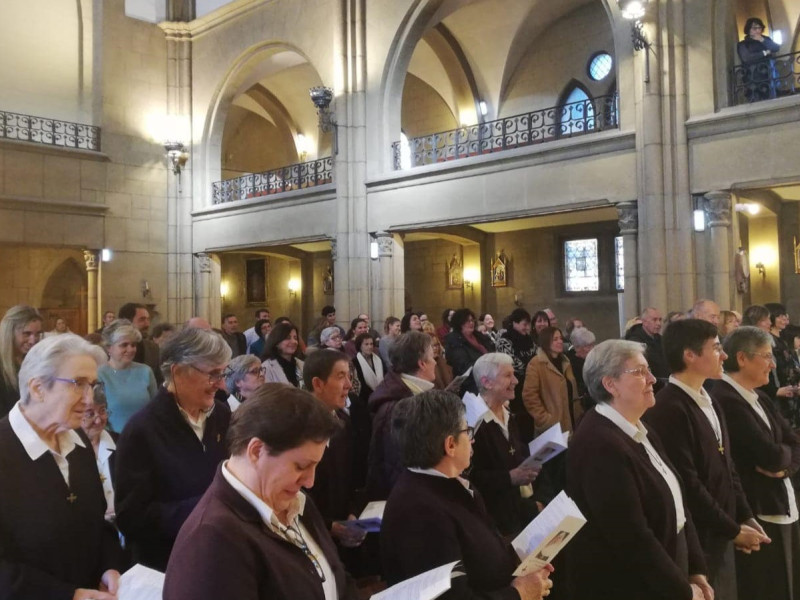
(654, 353)
(461, 355)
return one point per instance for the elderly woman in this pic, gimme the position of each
(499, 449)
(280, 356)
(583, 341)
(767, 453)
(246, 376)
(433, 517)
(20, 329)
(761, 317)
(550, 393)
(254, 534)
(128, 385)
(104, 444)
(464, 345)
(169, 451)
(639, 540)
(55, 542)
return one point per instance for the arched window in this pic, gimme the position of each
(576, 112)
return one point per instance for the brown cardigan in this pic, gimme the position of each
(545, 393)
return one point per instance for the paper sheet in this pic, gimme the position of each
(425, 586)
(547, 445)
(476, 408)
(373, 510)
(141, 583)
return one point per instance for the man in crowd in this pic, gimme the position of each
(648, 332)
(147, 351)
(232, 335)
(707, 310)
(692, 427)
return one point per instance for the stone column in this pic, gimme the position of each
(718, 209)
(202, 292)
(92, 259)
(388, 278)
(628, 214)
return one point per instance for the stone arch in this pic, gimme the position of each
(243, 73)
(64, 295)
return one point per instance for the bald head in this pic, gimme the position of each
(706, 310)
(651, 321)
(198, 323)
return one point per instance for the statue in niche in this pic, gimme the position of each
(500, 269)
(455, 273)
(327, 281)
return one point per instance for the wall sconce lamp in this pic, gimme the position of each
(145, 288)
(374, 250)
(294, 287)
(634, 11)
(106, 254)
(471, 277)
(223, 289)
(176, 156)
(762, 270)
(322, 96)
(302, 147)
(699, 213)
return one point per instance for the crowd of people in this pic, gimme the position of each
(237, 462)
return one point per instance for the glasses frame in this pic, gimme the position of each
(768, 356)
(639, 371)
(82, 386)
(470, 431)
(90, 415)
(262, 371)
(214, 378)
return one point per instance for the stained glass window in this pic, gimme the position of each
(600, 66)
(580, 266)
(619, 253)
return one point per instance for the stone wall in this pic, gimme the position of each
(426, 278)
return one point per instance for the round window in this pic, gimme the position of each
(600, 66)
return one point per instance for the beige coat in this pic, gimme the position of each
(545, 393)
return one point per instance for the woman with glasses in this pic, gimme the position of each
(434, 517)
(55, 542)
(464, 345)
(128, 385)
(767, 453)
(246, 376)
(254, 534)
(280, 355)
(104, 444)
(20, 329)
(639, 540)
(169, 451)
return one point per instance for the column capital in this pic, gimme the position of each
(718, 208)
(628, 216)
(203, 262)
(385, 244)
(91, 258)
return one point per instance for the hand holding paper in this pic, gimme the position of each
(141, 583)
(548, 445)
(425, 586)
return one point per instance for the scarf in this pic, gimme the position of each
(472, 340)
(372, 377)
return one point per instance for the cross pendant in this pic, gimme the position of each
(71, 498)
(511, 451)
(721, 449)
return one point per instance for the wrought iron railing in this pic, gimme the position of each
(284, 179)
(557, 122)
(52, 132)
(769, 78)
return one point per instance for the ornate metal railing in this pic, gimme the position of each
(52, 132)
(557, 122)
(770, 78)
(284, 179)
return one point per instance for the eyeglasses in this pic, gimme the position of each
(639, 371)
(91, 415)
(258, 371)
(214, 377)
(470, 431)
(768, 356)
(82, 386)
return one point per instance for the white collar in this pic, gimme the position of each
(489, 417)
(264, 510)
(701, 397)
(438, 473)
(749, 395)
(201, 418)
(415, 383)
(636, 432)
(33, 444)
(105, 447)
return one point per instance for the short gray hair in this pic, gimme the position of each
(240, 366)
(192, 346)
(119, 330)
(607, 359)
(327, 334)
(747, 339)
(422, 423)
(408, 350)
(488, 366)
(45, 359)
(582, 337)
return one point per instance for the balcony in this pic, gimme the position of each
(283, 179)
(537, 127)
(49, 132)
(770, 78)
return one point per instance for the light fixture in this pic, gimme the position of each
(173, 131)
(777, 36)
(471, 277)
(699, 219)
(145, 288)
(483, 108)
(106, 254)
(751, 208)
(322, 96)
(373, 250)
(634, 11)
(223, 289)
(762, 270)
(176, 156)
(294, 287)
(302, 147)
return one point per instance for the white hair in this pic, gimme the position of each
(488, 366)
(582, 337)
(45, 359)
